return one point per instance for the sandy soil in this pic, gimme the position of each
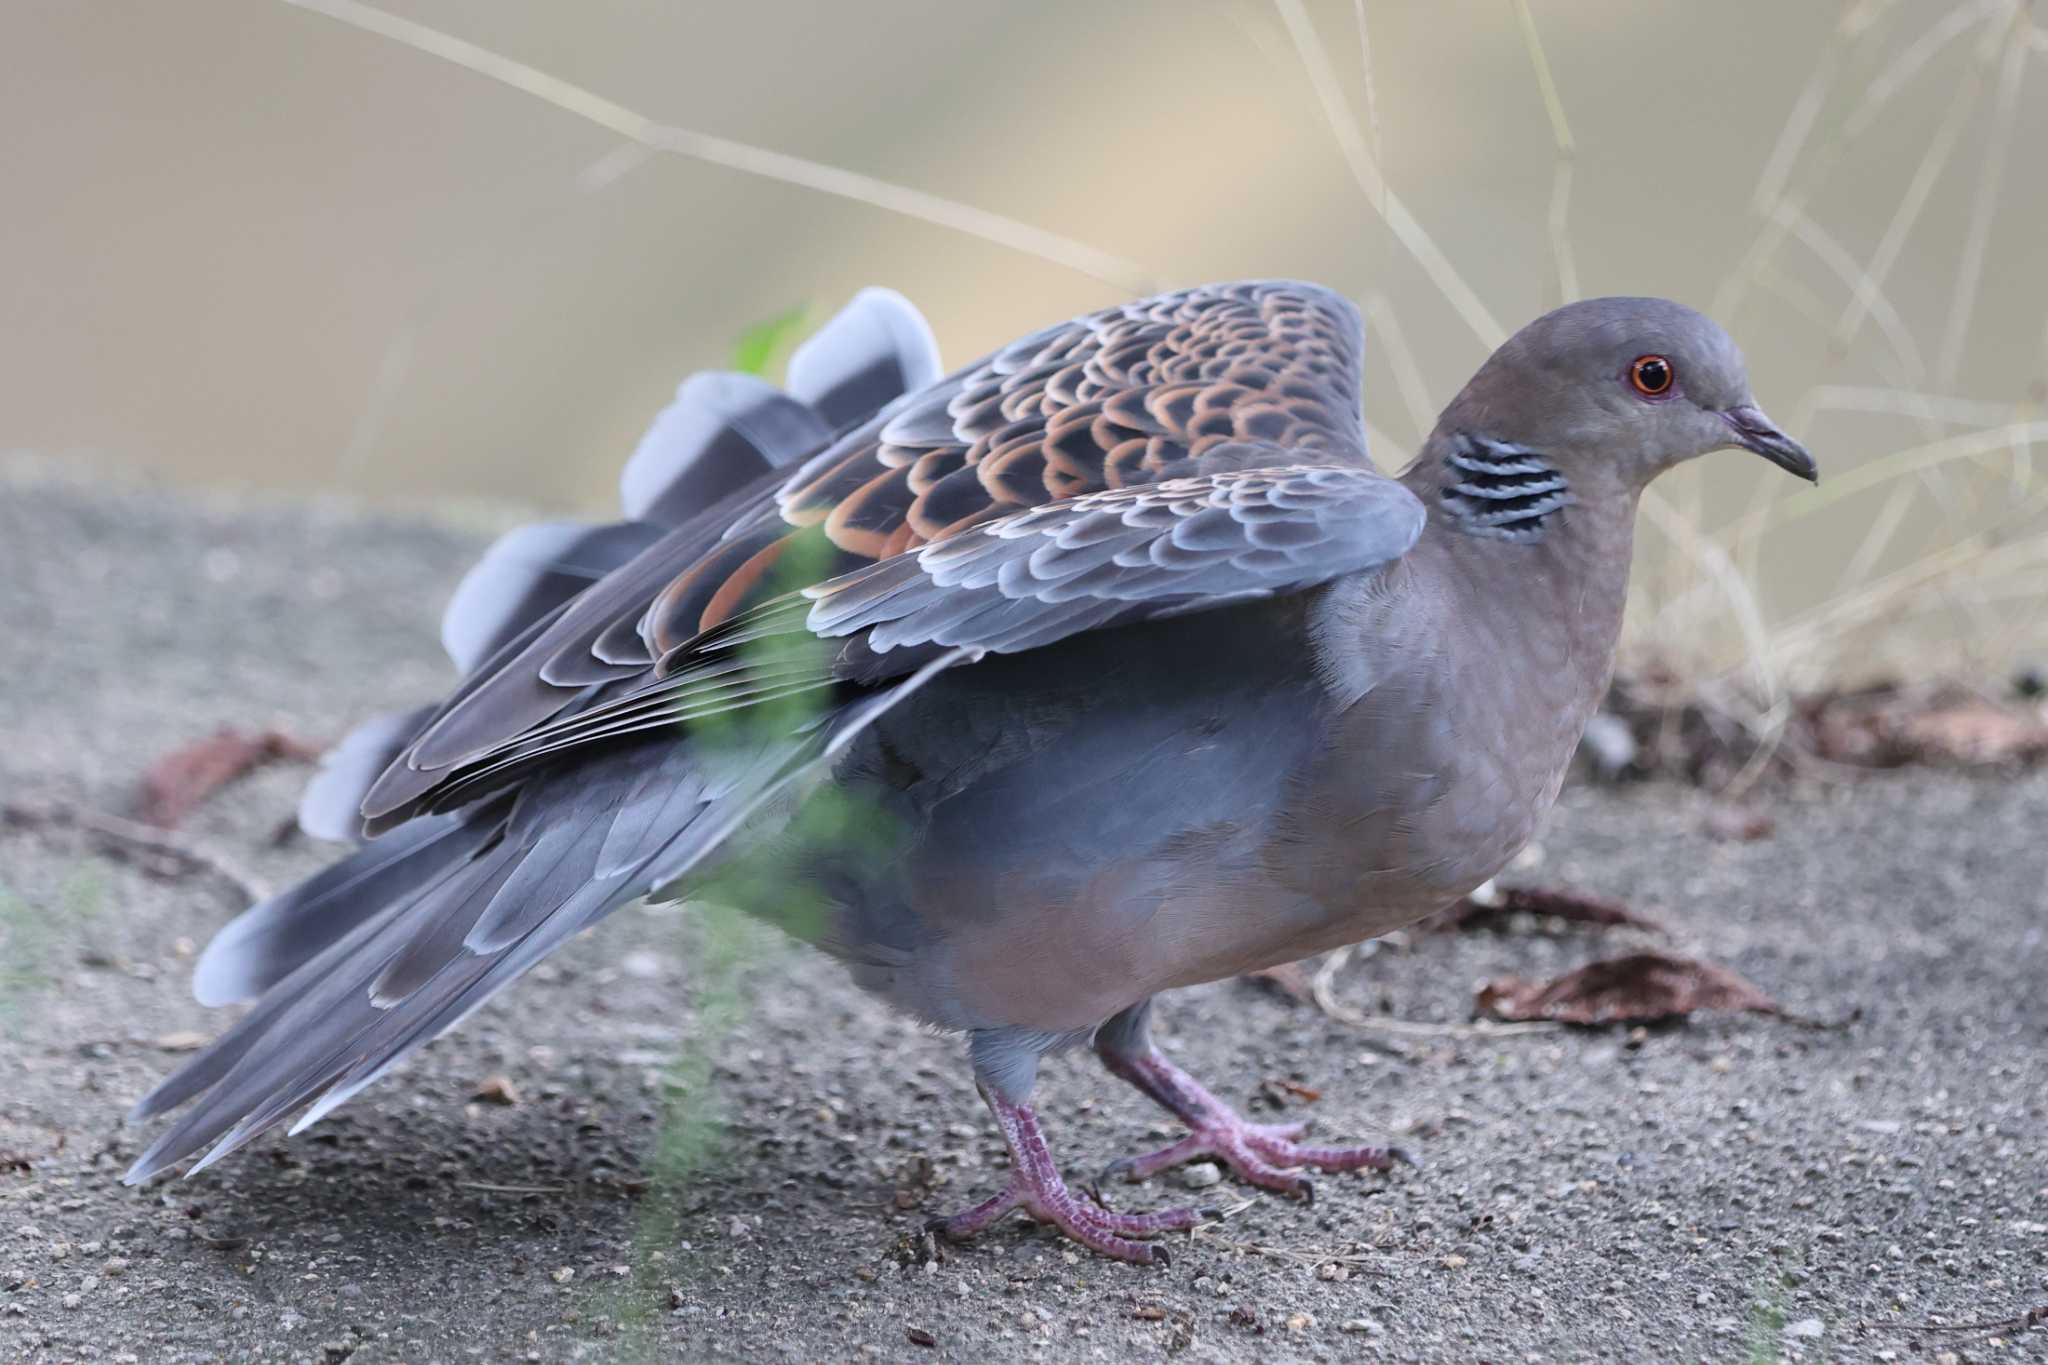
(719, 1150)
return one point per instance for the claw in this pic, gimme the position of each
(1036, 1190)
(1262, 1154)
(1307, 1190)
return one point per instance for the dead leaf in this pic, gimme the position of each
(1280, 1089)
(1289, 979)
(1975, 732)
(1638, 988)
(176, 784)
(496, 1090)
(1889, 728)
(182, 1040)
(1738, 824)
(1574, 907)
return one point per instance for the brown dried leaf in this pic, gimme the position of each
(181, 1040)
(496, 1090)
(1280, 1089)
(176, 784)
(1638, 988)
(1289, 980)
(1738, 824)
(1974, 731)
(1575, 907)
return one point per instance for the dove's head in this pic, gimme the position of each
(1612, 392)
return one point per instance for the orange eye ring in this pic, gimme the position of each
(1652, 375)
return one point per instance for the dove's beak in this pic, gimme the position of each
(1754, 431)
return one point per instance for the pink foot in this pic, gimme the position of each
(1037, 1189)
(1263, 1154)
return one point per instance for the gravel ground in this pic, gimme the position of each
(716, 1149)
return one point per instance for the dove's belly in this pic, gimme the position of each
(1066, 832)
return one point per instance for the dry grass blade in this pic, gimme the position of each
(1372, 103)
(1323, 991)
(129, 837)
(1878, 538)
(1720, 569)
(739, 156)
(1777, 172)
(1972, 445)
(1414, 389)
(1567, 153)
(1902, 402)
(1892, 594)
(1838, 259)
(1970, 264)
(1870, 281)
(1365, 170)
(1910, 62)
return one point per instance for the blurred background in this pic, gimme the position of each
(450, 250)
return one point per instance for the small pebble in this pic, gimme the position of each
(1201, 1175)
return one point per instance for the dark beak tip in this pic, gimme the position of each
(1758, 433)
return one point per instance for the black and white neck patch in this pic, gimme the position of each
(1500, 489)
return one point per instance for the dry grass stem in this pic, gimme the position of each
(772, 165)
(1365, 170)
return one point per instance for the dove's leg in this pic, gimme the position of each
(1037, 1188)
(1264, 1154)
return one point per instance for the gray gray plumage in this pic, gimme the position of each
(1145, 675)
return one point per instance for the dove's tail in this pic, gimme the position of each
(723, 430)
(366, 960)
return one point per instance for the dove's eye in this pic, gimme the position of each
(1652, 375)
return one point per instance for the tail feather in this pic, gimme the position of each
(877, 348)
(365, 961)
(447, 928)
(269, 940)
(528, 573)
(331, 806)
(341, 1014)
(723, 431)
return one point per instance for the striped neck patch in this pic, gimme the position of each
(1500, 489)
